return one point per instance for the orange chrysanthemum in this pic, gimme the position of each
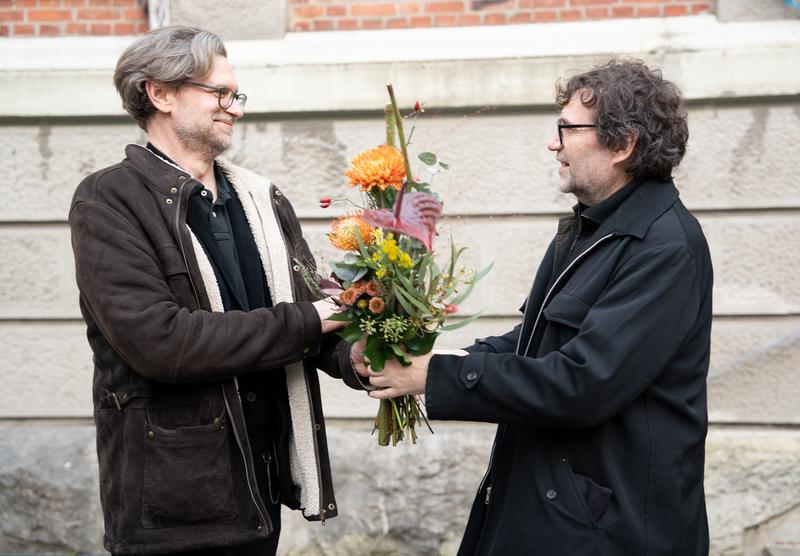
(345, 231)
(381, 167)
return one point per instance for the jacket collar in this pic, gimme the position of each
(160, 173)
(647, 202)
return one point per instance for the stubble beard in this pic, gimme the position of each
(202, 140)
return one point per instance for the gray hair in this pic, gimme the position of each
(168, 56)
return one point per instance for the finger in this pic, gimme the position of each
(379, 381)
(385, 393)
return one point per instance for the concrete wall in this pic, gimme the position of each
(314, 106)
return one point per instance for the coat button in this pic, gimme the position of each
(317, 427)
(472, 375)
(174, 190)
(251, 397)
(296, 268)
(278, 192)
(204, 193)
(151, 434)
(331, 507)
(169, 201)
(551, 494)
(306, 350)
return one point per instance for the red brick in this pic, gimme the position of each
(372, 24)
(590, 2)
(134, 14)
(77, 28)
(98, 15)
(301, 26)
(644, 1)
(570, 15)
(469, 19)
(420, 21)
(322, 25)
(142, 27)
(75, 3)
(25, 4)
(124, 29)
(545, 16)
(700, 8)
(408, 8)
(307, 12)
(49, 3)
(622, 11)
(49, 15)
(494, 19)
(346, 24)
(100, 2)
(548, 3)
(5, 30)
(50, 30)
(335, 11)
(397, 23)
(596, 13)
(445, 20)
(676, 10)
(442, 7)
(125, 3)
(524, 17)
(648, 12)
(25, 30)
(11, 16)
(373, 9)
(100, 29)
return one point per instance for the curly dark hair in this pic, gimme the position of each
(630, 99)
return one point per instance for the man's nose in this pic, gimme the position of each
(554, 144)
(235, 110)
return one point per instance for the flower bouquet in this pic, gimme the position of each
(389, 283)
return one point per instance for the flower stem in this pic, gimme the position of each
(401, 135)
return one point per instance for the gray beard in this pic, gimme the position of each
(203, 142)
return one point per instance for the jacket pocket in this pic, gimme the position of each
(566, 309)
(187, 474)
(592, 500)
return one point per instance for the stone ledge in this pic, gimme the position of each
(449, 67)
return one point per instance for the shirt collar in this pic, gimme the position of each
(602, 210)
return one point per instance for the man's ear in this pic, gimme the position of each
(161, 96)
(624, 154)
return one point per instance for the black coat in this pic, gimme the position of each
(600, 396)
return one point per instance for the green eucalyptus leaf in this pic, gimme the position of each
(340, 317)
(401, 355)
(428, 158)
(462, 323)
(444, 165)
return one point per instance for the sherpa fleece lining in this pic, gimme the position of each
(255, 195)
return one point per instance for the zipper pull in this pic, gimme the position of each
(488, 494)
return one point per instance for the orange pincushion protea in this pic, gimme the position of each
(345, 232)
(381, 167)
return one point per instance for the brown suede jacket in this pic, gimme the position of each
(176, 470)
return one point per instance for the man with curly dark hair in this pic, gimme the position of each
(600, 391)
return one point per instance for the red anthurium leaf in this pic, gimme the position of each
(329, 287)
(418, 215)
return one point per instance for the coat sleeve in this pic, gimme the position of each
(507, 343)
(625, 341)
(126, 292)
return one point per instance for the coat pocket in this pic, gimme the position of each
(566, 309)
(592, 500)
(187, 474)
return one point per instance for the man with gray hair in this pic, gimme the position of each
(206, 338)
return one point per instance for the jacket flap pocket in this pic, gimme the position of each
(566, 309)
(172, 260)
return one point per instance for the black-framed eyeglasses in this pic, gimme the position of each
(569, 126)
(224, 94)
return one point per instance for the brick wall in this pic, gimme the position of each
(327, 15)
(24, 18)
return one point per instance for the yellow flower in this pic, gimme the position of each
(381, 272)
(346, 230)
(405, 261)
(381, 167)
(362, 303)
(391, 249)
